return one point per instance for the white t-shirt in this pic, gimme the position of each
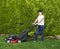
(40, 20)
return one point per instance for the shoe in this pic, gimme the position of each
(34, 41)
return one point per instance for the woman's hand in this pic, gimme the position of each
(35, 23)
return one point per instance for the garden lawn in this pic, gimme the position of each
(47, 44)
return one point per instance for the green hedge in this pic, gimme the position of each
(17, 15)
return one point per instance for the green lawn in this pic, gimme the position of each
(47, 44)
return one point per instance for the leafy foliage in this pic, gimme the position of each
(17, 15)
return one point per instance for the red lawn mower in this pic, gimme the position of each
(18, 39)
(12, 39)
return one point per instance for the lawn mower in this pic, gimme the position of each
(12, 39)
(20, 38)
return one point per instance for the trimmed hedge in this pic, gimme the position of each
(17, 15)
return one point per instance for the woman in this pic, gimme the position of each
(40, 22)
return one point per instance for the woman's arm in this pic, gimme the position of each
(35, 21)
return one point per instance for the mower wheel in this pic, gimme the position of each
(8, 41)
(19, 41)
